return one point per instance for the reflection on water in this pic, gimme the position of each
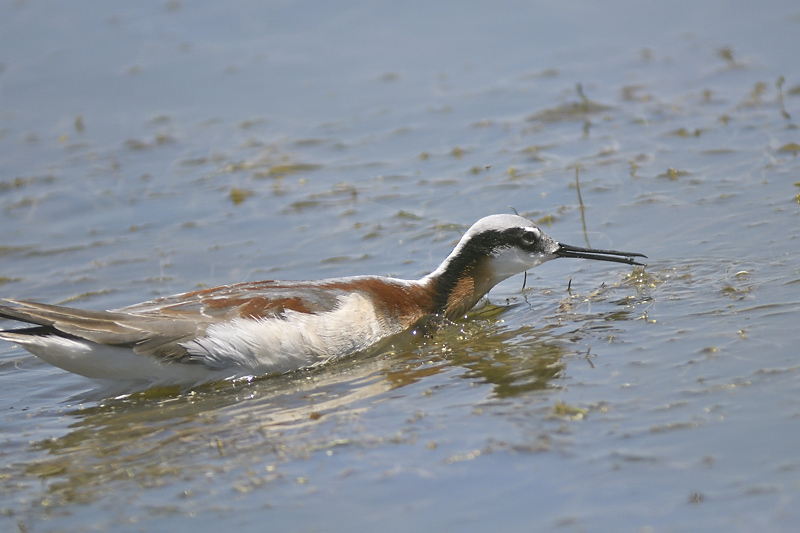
(153, 437)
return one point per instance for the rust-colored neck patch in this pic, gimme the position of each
(458, 291)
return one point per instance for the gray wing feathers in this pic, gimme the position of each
(156, 336)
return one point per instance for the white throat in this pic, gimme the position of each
(511, 261)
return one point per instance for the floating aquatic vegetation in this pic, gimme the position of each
(569, 412)
(239, 195)
(673, 173)
(571, 110)
(285, 169)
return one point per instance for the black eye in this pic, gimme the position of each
(529, 237)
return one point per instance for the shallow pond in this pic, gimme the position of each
(149, 149)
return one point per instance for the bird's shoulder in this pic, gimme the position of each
(271, 298)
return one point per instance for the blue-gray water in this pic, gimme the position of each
(151, 148)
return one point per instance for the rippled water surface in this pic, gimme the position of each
(152, 148)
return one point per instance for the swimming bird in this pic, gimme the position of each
(264, 327)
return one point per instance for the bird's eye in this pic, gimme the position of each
(529, 237)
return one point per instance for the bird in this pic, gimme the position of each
(258, 328)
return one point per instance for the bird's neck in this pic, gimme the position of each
(459, 283)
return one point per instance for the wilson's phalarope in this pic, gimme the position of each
(263, 327)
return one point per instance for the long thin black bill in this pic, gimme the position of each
(565, 250)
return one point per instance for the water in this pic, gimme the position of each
(151, 149)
